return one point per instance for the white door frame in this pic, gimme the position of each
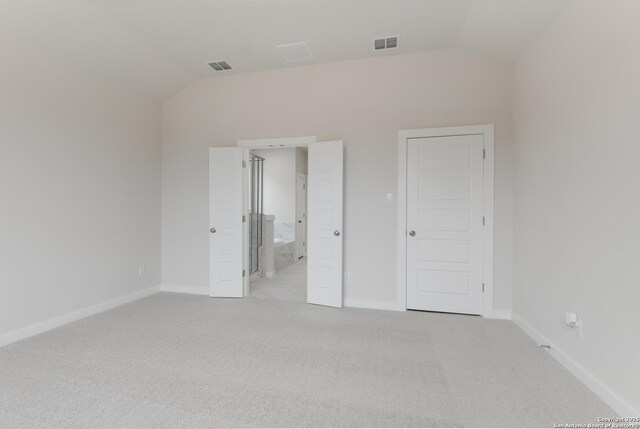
(487, 131)
(270, 143)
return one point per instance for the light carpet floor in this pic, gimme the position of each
(289, 284)
(173, 361)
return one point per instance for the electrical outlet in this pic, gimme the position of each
(347, 277)
(389, 198)
(142, 270)
(574, 322)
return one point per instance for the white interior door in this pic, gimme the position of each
(225, 222)
(301, 215)
(324, 224)
(444, 224)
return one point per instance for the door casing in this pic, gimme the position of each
(487, 131)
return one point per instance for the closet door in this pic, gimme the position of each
(445, 200)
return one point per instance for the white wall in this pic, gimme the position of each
(363, 102)
(279, 183)
(577, 207)
(79, 189)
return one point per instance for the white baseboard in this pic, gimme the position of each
(498, 315)
(192, 290)
(47, 325)
(372, 305)
(620, 406)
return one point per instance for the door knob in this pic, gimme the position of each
(336, 233)
(299, 221)
(412, 233)
(212, 230)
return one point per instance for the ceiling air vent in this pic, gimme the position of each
(296, 52)
(220, 65)
(390, 42)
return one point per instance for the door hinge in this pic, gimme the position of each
(244, 219)
(482, 287)
(244, 164)
(243, 273)
(483, 220)
(484, 153)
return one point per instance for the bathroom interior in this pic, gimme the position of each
(277, 216)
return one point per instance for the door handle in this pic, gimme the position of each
(299, 221)
(412, 233)
(336, 233)
(212, 230)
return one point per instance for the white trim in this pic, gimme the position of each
(192, 290)
(607, 395)
(280, 142)
(498, 315)
(47, 325)
(401, 264)
(372, 305)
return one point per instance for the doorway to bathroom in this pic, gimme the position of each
(230, 220)
(277, 223)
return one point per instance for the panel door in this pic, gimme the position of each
(225, 222)
(324, 224)
(301, 215)
(445, 224)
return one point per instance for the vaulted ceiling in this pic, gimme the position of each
(160, 46)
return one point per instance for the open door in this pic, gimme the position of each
(301, 215)
(225, 222)
(324, 224)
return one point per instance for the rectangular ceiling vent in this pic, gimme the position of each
(296, 52)
(390, 42)
(220, 65)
